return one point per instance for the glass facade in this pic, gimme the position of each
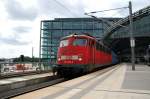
(53, 30)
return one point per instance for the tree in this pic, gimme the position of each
(22, 58)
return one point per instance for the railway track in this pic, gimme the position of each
(18, 91)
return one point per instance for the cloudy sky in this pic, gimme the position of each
(20, 19)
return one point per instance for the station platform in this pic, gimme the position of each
(10, 84)
(119, 82)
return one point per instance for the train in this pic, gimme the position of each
(78, 54)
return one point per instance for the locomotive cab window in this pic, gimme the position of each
(64, 43)
(79, 42)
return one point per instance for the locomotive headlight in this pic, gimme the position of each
(80, 59)
(59, 59)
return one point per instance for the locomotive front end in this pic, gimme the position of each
(71, 55)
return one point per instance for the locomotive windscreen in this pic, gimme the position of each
(80, 42)
(64, 43)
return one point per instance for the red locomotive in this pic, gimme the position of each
(80, 54)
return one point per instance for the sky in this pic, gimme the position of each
(20, 19)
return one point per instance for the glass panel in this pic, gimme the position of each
(56, 34)
(88, 25)
(46, 33)
(97, 25)
(57, 25)
(98, 33)
(67, 25)
(77, 25)
(67, 32)
(46, 25)
(55, 42)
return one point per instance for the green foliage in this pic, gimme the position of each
(23, 58)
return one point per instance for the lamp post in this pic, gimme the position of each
(32, 56)
(0, 69)
(132, 40)
(148, 55)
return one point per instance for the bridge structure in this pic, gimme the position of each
(118, 35)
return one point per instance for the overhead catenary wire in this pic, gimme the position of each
(105, 21)
(107, 10)
(65, 8)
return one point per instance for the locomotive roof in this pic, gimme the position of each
(79, 35)
(84, 36)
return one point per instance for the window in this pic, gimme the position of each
(56, 34)
(45, 25)
(77, 25)
(79, 42)
(67, 25)
(57, 25)
(64, 43)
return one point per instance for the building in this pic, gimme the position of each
(119, 37)
(53, 30)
